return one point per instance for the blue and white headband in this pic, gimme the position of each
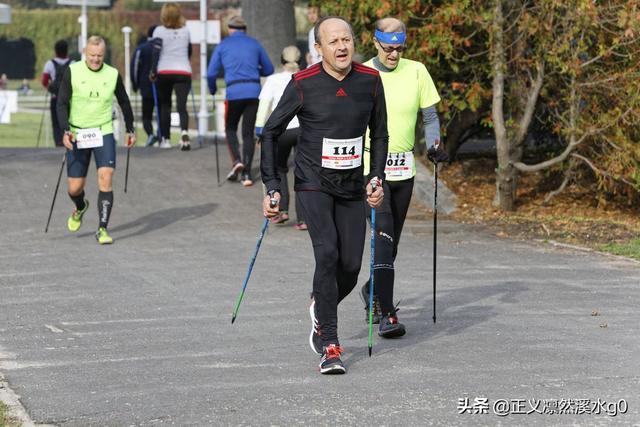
(391, 38)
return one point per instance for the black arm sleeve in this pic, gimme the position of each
(287, 108)
(125, 105)
(378, 133)
(63, 100)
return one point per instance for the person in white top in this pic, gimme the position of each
(313, 15)
(269, 97)
(172, 71)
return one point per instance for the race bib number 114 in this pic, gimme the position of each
(342, 153)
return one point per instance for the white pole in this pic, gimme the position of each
(83, 28)
(127, 59)
(203, 115)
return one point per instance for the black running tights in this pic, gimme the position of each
(247, 110)
(337, 230)
(167, 84)
(389, 222)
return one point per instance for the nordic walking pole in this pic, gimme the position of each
(155, 101)
(371, 270)
(53, 202)
(215, 140)
(44, 110)
(435, 228)
(195, 114)
(263, 230)
(126, 174)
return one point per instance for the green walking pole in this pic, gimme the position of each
(371, 271)
(263, 230)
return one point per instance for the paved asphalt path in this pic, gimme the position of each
(139, 333)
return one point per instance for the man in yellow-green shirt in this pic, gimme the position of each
(408, 89)
(84, 111)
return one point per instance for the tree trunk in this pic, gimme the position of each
(506, 174)
(272, 23)
(459, 127)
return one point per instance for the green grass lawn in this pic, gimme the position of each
(36, 87)
(630, 249)
(5, 420)
(23, 131)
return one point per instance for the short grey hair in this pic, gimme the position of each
(387, 22)
(96, 40)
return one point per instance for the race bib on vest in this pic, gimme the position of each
(88, 138)
(342, 153)
(399, 166)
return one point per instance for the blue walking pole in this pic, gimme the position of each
(371, 270)
(155, 101)
(263, 230)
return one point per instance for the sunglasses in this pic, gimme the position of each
(389, 49)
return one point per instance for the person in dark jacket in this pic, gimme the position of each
(140, 70)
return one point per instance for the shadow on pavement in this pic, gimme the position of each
(159, 219)
(454, 315)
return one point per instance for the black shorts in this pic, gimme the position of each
(105, 157)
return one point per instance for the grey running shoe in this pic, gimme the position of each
(330, 363)
(364, 295)
(185, 142)
(390, 327)
(151, 141)
(235, 171)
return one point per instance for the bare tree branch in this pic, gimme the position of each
(598, 171)
(611, 50)
(498, 60)
(552, 194)
(591, 165)
(532, 100)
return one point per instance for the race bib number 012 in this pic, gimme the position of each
(88, 138)
(342, 153)
(399, 166)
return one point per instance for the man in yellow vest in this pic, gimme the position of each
(85, 114)
(408, 89)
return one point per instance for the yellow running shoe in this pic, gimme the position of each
(75, 220)
(103, 237)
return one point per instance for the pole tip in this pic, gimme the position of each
(233, 319)
(434, 319)
(370, 351)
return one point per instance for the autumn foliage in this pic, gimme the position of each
(587, 52)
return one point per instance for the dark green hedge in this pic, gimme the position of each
(45, 26)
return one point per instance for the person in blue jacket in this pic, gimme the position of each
(244, 61)
(140, 70)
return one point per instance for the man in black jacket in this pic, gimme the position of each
(335, 101)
